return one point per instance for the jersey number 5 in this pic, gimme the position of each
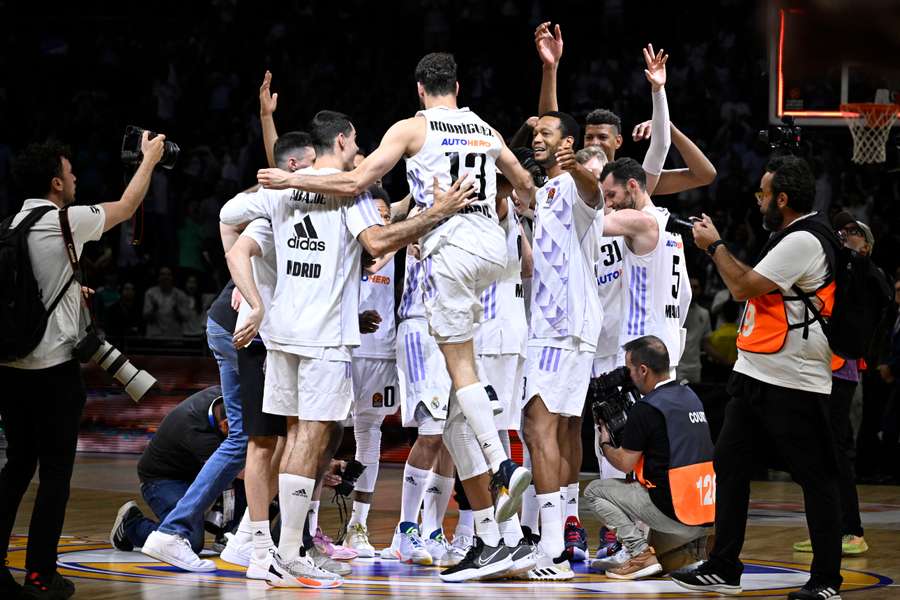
(469, 164)
(676, 273)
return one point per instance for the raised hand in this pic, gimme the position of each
(549, 45)
(267, 100)
(152, 149)
(656, 67)
(274, 179)
(641, 131)
(565, 157)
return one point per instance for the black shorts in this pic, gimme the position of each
(252, 378)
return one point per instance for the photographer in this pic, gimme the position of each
(666, 442)
(43, 393)
(781, 381)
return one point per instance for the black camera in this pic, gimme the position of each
(136, 381)
(131, 148)
(611, 396)
(782, 139)
(349, 476)
(683, 227)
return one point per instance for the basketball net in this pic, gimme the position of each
(870, 125)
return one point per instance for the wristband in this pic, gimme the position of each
(711, 249)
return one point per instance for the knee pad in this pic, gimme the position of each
(367, 433)
(464, 448)
(431, 426)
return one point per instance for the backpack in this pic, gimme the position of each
(23, 318)
(861, 297)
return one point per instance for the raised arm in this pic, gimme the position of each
(404, 137)
(697, 173)
(585, 181)
(267, 103)
(659, 126)
(549, 49)
(116, 212)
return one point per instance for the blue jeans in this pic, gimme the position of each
(228, 459)
(162, 495)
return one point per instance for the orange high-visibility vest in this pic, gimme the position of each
(692, 479)
(764, 326)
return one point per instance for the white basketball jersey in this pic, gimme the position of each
(412, 301)
(260, 231)
(504, 328)
(564, 299)
(610, 288)
(653, 284)
(459, 144)
(376, 292)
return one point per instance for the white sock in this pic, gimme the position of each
(313, 517)
(486, 526)
(530, 509)
(475, 405)
(563, 497)
(294, 495)
(262, 538)
(552, 541)
(466, 524)
(360, 513)
(438, 490)
(572, 500)
(511, 531)
(244, 535)
(413, 491)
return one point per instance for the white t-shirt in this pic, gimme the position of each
(376, 293)
(459, 144)
(316, 299)
(608, 272)
(798, 259)
(260, 231)
(565, 306)
(52, 270)
(504, 328)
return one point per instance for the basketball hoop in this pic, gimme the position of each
(869, 125)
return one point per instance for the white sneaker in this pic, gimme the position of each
(358, 539)
(392, 552)
(439, 549)
(235, 553)
(412, 547)
(461, 544)
(176, 551)
(325, 562)
(300, 572)
(547, 568)
(259, 567)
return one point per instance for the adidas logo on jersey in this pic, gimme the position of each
(306, 237)
(301, 493)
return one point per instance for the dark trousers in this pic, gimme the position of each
(41, 411)
(794, 424)
(162, 495)
(839, 414)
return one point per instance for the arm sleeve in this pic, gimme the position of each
(362, 214)
(87, 223)
(796, 256)
(660, 135)
(247, 206)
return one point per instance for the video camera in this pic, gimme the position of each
(611, 396)
(782, 139)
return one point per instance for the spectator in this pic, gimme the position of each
(165, 307)
(191, 241)
(198, 303)
(124, 318)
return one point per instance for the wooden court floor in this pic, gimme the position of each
(103, 482)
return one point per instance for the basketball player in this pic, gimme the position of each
(318, 244)
(565, 324)
(468, 253)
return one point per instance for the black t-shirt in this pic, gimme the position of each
(645, 432)
(220, 310)
(184, 441)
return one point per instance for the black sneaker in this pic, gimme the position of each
(522, 556)
(706, 579)
(117, 536)
(811, 591)
(480, 562)
(47, 587)
(510, 481)
(9, 587)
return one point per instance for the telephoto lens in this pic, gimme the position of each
(136, 381)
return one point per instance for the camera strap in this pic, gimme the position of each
(72, 255)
